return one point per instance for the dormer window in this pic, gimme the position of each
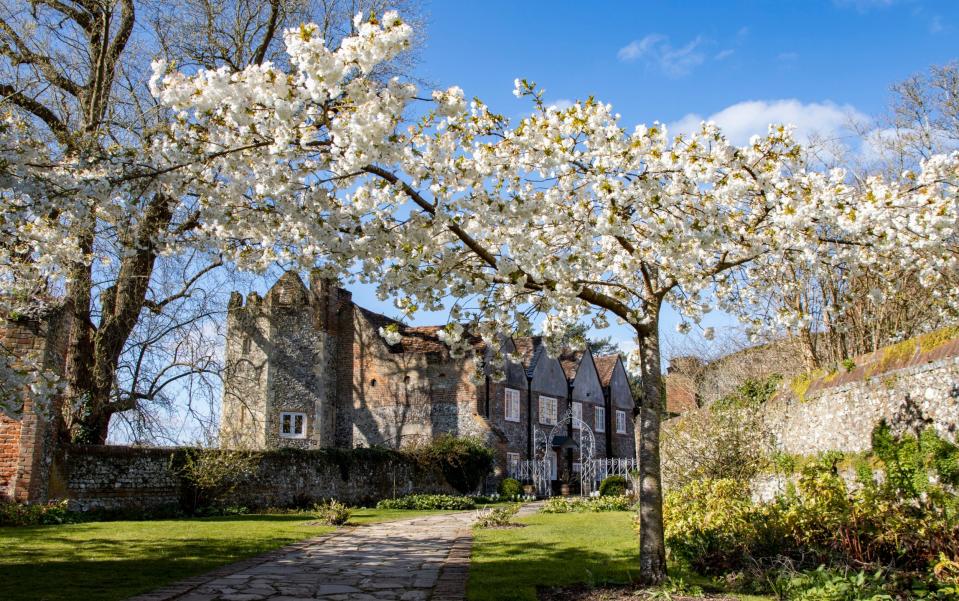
(292, 425)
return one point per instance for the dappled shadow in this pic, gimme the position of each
(510, 565)
(65, 562)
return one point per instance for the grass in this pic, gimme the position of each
(107, 561)
(558, 550)
(553, 549)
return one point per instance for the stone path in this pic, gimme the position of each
(410, 560)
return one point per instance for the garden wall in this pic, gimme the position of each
(910, 385)
(132, 478)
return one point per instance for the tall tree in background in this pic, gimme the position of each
(850, 310)
(133, 265)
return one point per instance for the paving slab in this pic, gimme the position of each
(420, 559)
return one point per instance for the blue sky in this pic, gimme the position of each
(814, 64)
(744, 64)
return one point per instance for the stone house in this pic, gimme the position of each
(308, 368)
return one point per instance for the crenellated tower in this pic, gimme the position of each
(280, 378)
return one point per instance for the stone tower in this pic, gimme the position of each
(280, 381)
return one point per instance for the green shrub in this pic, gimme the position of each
(831, 585)
(586, 505)
(210, 476)
(612, 486)
(561, 505)
(428, 502)
(485, 499)
(332, 513)
(728, 439)
(908, 460)
(465, 461)
(610, 503)
(510, 488)
(712, 524)
(37, 514)
(498, 517)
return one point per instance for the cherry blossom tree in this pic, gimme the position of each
(565, 214)
(86, 219)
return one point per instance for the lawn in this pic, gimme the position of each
(557, 549)
(106, 561)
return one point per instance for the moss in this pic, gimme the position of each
(933, 340)
(801, 383)
(907, 349)
(896, 353)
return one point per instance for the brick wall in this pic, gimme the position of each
(9, 454)
(28, 438)
(391, 399)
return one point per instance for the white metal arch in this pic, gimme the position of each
(543, 443)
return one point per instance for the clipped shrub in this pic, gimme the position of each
(332, 513)
(499, 517)
(428, 502)
(510, 488)
(464, 461)
(587, 505)
(612, 486)
(37, 514)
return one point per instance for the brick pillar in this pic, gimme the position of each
(28, 439)
(9, 454)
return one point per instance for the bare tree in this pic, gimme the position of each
(77, 70)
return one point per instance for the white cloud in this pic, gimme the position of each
(724, 54)
(561, 104)
(936, 25)
(864, 5)
(745, 119)
(656, 50)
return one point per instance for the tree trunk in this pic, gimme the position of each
(808, 347)
(94, 352)
(79, 356)
(652, 546)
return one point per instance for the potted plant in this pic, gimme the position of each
(565, 480)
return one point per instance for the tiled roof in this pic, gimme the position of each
(605, 365)
(414, 339)
(529, 349)
(570, 361)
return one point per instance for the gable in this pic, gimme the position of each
(548, 376)
(586, 386)
(620, 394)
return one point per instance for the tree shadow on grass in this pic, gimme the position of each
(109, 561)
(512, 570)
